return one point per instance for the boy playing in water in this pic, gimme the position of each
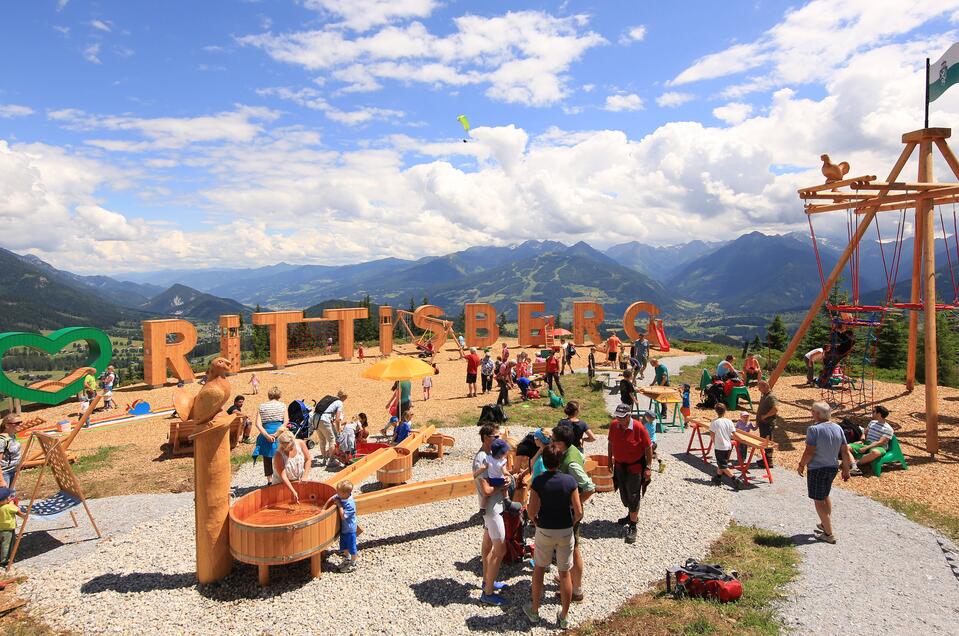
(346, 508)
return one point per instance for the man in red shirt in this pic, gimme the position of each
(552, 372)
(472, 368)
(630, 454)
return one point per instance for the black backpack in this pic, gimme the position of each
(492, 414)
(572, 350)
(527, 446)
(323, 404)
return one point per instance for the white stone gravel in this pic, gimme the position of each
(419, 568)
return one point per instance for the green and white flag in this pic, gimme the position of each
(944, 72)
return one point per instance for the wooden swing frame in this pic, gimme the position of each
(56, 458)
(865, 196)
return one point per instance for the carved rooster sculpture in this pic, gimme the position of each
(833, 171)
(208, 403)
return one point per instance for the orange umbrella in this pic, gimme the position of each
(562, 332)
(400, 368)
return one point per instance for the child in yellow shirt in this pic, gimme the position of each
(8, 523)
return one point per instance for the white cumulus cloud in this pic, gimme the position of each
(733, 112)
(633, 34)
(672, 99)
(616, 103)
(9, 111)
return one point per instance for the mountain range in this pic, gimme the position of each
(755, 274)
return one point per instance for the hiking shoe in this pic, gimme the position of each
(493, 599)
(819, 528)
(857, 471)
(578, 596)
(622, 521)
(562, 621)
(630, 534)
(717, 480)
(348, 567)
(531, 616)
(737, 485)
(825, 538)
(498, 585)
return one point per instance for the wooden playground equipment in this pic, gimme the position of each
(38, 457)
(267, 528)
(864, 197)
(69, 496)
(436, 330)
(53, 386)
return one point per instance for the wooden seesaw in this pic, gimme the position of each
(267, 528)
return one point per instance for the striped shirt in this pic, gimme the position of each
(272, 411)
(877, 430)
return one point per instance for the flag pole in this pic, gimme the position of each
(927, 94)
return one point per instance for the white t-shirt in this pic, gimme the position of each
(724, 429)
(348, 435)
(479, 460)
(427, 382)
(814, 355)
(496, 467)
(331, 411)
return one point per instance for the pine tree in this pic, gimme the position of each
(947, 353)
(776, 335)
(891, 343)
(261, 341)
(756, 343)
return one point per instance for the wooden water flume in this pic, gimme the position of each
(260, 535)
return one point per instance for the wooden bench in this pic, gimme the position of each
(180, 432)
(436, 445)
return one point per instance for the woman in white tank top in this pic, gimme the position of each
(291, 462)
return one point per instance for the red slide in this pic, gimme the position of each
(657, 326)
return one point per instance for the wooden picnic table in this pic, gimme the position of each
(754, 443)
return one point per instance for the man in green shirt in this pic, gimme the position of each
(572, 464)
(661, 379)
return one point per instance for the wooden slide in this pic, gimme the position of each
(55, 385)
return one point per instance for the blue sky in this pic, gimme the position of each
(325, 131)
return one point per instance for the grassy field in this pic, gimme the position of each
(538, 413)
(766, 562)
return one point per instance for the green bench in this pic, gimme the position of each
(893, 455)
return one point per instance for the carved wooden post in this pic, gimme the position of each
(158, 354)
(345, 318)
(583, 324)
(277, 321)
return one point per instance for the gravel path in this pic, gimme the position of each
(885, 569)
(419, 568)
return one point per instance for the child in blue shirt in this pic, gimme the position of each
(346, 508)
(402, 430)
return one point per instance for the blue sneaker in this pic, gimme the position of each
(493, 599)
(499, 585)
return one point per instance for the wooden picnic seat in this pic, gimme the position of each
(180, 432)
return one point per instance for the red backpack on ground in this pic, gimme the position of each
(701, 580)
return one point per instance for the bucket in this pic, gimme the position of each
(601, 475)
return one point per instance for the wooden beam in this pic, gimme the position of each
(836, 184)
(929, 298)
(836, 271)
(924, 134)
(873, 201)
(416, 494)
(899, 185)
(948, 156)
(914, 293)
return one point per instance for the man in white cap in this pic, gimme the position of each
(630, 455)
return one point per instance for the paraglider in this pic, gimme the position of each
(466, 125)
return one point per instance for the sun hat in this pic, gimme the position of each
(499, 447)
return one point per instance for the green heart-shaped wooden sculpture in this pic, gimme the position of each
(100, 352)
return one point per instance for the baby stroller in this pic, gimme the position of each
(300, 421)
